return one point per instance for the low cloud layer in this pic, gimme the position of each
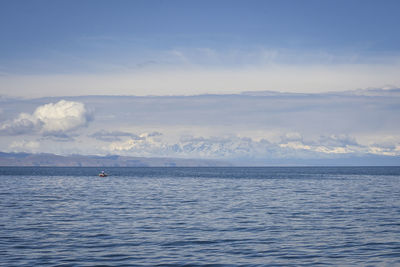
(50, 119)
(248, 127)
(247, 148)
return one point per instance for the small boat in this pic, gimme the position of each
(103, 174)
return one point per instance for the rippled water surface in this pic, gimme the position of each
(198, 216)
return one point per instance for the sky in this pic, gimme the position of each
(249, 81)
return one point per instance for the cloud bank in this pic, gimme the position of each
(202, 79)
(248, 127)
(50, 119)
(247, 148)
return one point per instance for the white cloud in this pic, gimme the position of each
(235, 147)
(295, 145)
(149, 144)
(24, 123)
(24, 146)
(49, 119)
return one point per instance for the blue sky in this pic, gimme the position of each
(41, 25)
(321, 78)
(58, 37)
(58, 48)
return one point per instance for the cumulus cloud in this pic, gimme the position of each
(24, 123)
(54, 119)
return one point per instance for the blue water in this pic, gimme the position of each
(338, 216)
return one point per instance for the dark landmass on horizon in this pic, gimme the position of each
(52, 160)
(23, 159)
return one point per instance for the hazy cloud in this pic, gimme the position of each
(341, 140)
(59, 137)
(152, 134)
(291, 137)
(115, 136)
(112, 136)
(198, 79)
(24, 146)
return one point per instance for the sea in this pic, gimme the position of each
(267, 216)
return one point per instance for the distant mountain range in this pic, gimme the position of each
(52, 160)
(43, 159)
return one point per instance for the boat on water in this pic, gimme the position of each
(103, 174)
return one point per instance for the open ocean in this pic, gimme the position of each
(322, 216)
